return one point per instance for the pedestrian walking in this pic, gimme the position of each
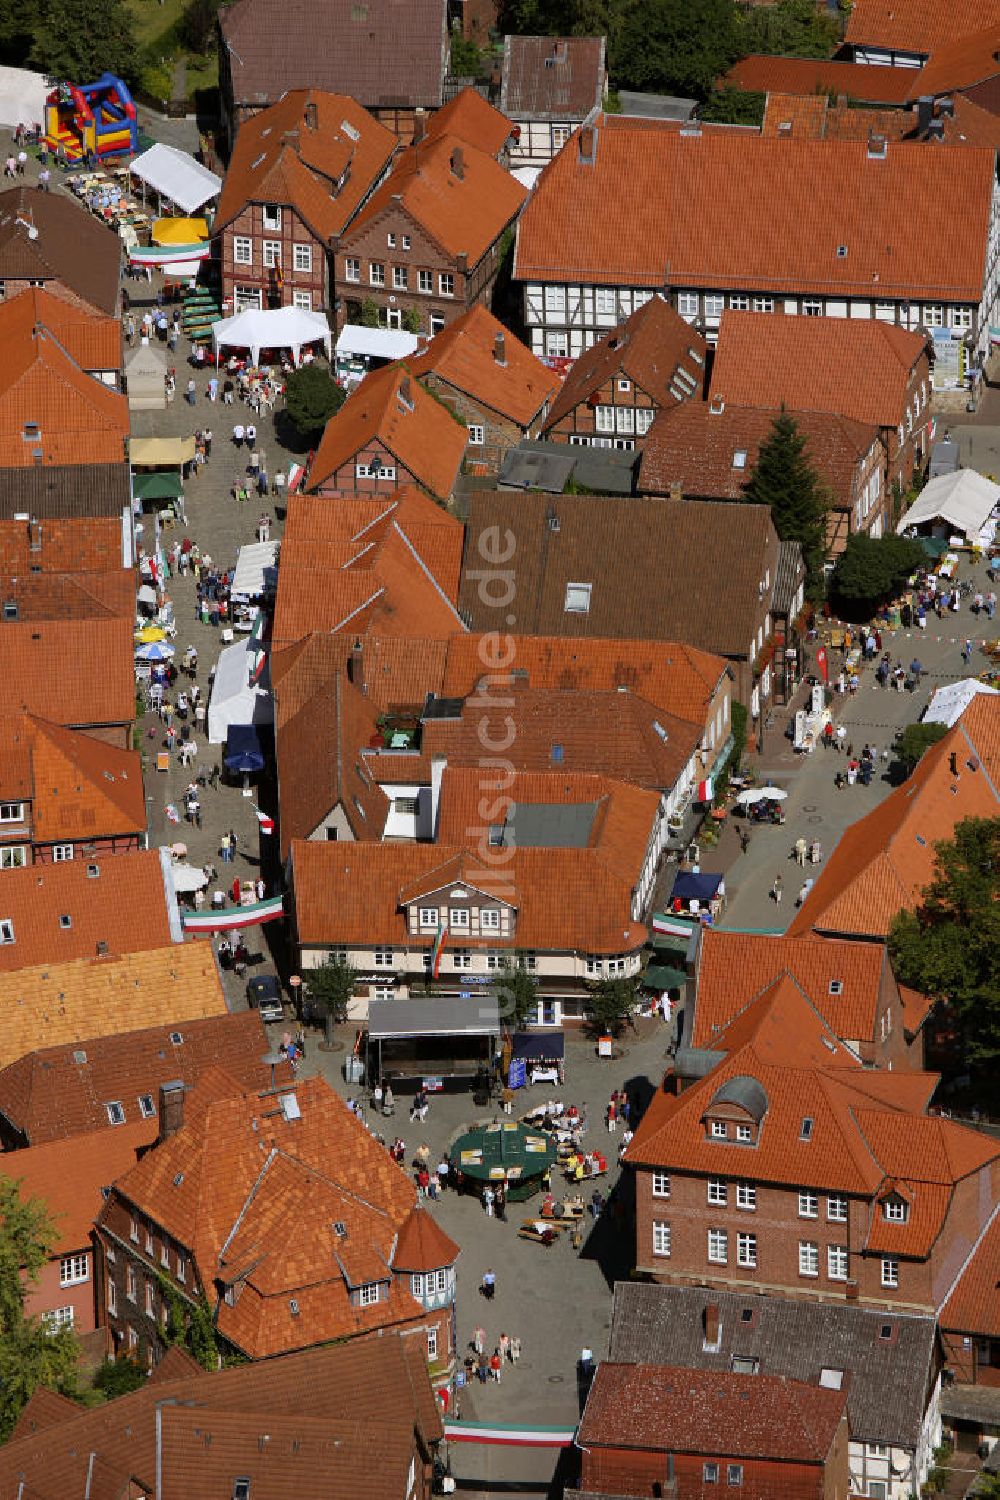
(967, 652)
(500, 1202)
(191, 392)
(488, 1285)
(503, 1345)
(225, 849)
(515, 1349)
(612, 1116)
(776, 890)
(744, 838)
(479, 1339)
(488, 1197)
(496, 1365)
(801, 849)
(208, 442)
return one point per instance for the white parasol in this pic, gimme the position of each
(773, 793)
(752, 794)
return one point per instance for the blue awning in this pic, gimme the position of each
(691, 887)
(243, 749)
(539, 1044)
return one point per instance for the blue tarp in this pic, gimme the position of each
(243, 750)
(691, 887)
(542, 1044)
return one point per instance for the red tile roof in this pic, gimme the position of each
(662, 1409)
(649, 348)
(917, 25)
(696, 446)
(318, 153)
(570, 228)
(972, 1305)
(472, 119)
(399, 671)
(392, 409)
(422, 1244)
(465, 356)
(91, 341)
(69, 1177)
(959, 62)
(40, 669)
(883, 861)
(79, 787)
(965, 124)
(860, 369)
(463, 211)
(763, 73)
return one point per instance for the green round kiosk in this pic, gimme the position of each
(513, 1154)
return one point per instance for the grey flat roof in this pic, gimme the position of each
(444, 1016)
(971, 1403)
(550, 825)
(656, 106)
(890, 1379)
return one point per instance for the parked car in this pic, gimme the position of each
(264, 994)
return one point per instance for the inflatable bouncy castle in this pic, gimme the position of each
(98, 118)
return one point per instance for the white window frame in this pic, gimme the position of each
(489, 919)
(74, 1269)
(446, 284)
(425, 281)
(836, 1209)
(746, 1197)
(13, 857)
(605, 302)
(131, 1283)
(432, 1343)
(58, 1317)
(302, 300)
(718, 1192)
(895, 1210)
(400, 279)
(242, 250)
(384, 958)
(808, 1258)
(477, 434)
(368, 1294)
(746, 1251)
(460, 919)
(271, 252)
(812, 307)
(461, 958)
(719, 1131)
(890, 1271)
(763, 304)
(376, 273)
(302, 257)
(710, 1473)
(417, 1284)
(744, 1132)
(352, 268)
(428, 918)
(837, 1262)
(661, 1184)
(661, 1239)
(734, 1474)
(688, 304)
(271, 217)
(808, 1204)
(718, 1247)
(62, 853)
(604, 418)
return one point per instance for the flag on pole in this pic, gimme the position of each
(822, 663)
(266, 823)
(437, 950)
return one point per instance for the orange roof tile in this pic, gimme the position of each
(422, 1244)
(464, 212)
(40, 669)
(972, 1305)
(79, 787)
(649, 348)
(959, 61)
(965, 124)
(883, 861)
(763, 73)
(123, 905)
(69, 1176)
(840, 978)
(570, 228)
(465, 355)
(393, 410)
(917, 25)
(859, 369)
(472, 119)
(91, 341)
(916, 1007)
(399, 672)
(317, 153)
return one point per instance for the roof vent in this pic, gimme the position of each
(10, 609)
(79, 1057)
(841, 252)
(93, 872)
(178, 1179)
(257, 161)
(293, 1307)
(878, 147)
(717, 406)
(806, 1131)
(176, 1038)
(290, 1107)
(784, 128)
(836, 987)
(340, 1229)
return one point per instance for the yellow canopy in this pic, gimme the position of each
(150, 633)
(161, 452)
(179, 231)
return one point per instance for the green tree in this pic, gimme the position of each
(785, 480)
(729, 106)
(79, 40)
(672, 46)
(411, 320)
(312, 397)
(610, 1006)
(949, 947)
(466, 59)
(912, 741)
(116, 1377)
(31, 1352)
(370, 313)
(517, 992)
(793, 28)
(331, 988)
(869, 571)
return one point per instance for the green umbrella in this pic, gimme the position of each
(511, 1153)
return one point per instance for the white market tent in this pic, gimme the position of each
(963, 501)
(146, 376)
(22, 97)
(272, 328)
(235, 699)
(376, 343)
(177, 176)
(949, 703)
(256, 570)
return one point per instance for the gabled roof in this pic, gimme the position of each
(378, 52)
(40, 669)
(654, 348)
(389, 563)
(123, 903)
(317, 153)
(463, 201)
(552, 77)
(69, 1177)
(682, 235)
(59, 1091)
(859, 369)
(959, 61)
(972, 1305)
(884, 860)
(465, 354)
(962, 124)
(470, 118)
(917, 25)
(712, 453)
(71, 1000)
(422, 1244)
(65, 492)
(92, 341)
(71, 247)
(765, 73)
(79, 787)
(784, 1027)
(665, 1409)
(391, 408)
(652, 566)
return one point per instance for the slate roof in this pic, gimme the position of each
(378, 52)
(552, 77)
(654, 566)
(55, 1092)
(859, 369)
(888, 1381)
(671, 1409)
(681, 235)
(698, 447)
(79, 787)
(654, 348)
(71, 247)
(70, 1179)
(324, 171)
(465, 355)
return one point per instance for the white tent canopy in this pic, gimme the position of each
(949, 703)
(22, 97)
(177, 176)
(235, 699)
(272, 328)
(256, 570)
(962, 500)
(376, 343)
(186, 878)
(146, 373)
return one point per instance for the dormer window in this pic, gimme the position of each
(895, 1210)
(719, 1131)
(272, 216)
(577, 601)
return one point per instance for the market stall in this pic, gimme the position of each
(360, 349)
(510, 1153)
(432, 1039)
(949, 703)
(962, 503)
(537, 1057)
(244, 754)
(703, 895)
(240, 695)
(146, 379)
(175, 176)
(256, 572)
(255, 329)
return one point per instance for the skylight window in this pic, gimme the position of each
(740, 458)
(805, 1134)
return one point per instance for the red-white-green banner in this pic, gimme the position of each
(229, 918)
(510, 1434)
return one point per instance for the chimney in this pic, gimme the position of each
(676, 490)
(423, 340)
(785, 127)
(356, 665)
(171, 1109)
(500, 350)
(312, 119)
(935, 130)
(717, 406)
(925, 113)
(458, 163)
(419, 126)
(587, 144)
(946, 109)
(439, 764)
(712, 1323)
(669, 1489)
